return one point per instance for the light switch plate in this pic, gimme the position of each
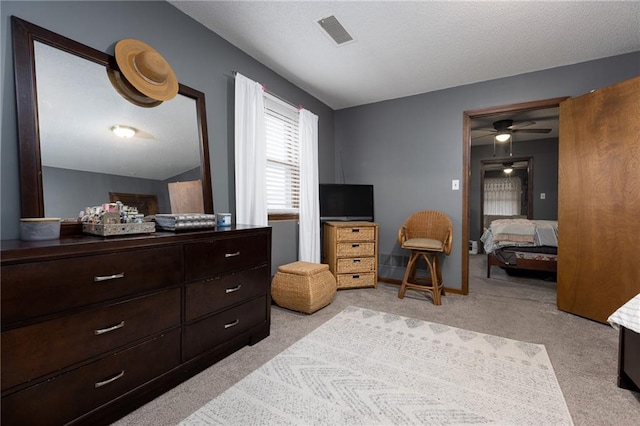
(455, 185)
(543, 195)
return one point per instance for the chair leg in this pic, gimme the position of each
(410, 271)
(414, 268)
(436, 262)
(435, 286)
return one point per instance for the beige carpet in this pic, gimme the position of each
(583, 353)
(365, 367)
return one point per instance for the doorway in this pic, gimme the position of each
(467, 117)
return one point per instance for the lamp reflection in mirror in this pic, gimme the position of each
(123, 131)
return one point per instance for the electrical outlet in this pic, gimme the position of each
(543, 195)
(455, 185)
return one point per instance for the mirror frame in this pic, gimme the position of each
(24, 35)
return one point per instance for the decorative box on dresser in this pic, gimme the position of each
(351, 250)
(92, 328)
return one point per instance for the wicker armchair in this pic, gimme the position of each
(427, 234)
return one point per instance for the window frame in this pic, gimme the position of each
(274, 106)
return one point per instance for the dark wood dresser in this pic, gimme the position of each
(93, 327)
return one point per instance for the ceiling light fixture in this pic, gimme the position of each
(508, 168)
(123, 131)
(503, 136)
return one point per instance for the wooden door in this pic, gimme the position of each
(599, 201)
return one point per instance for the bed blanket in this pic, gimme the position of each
(627, 316)
(513, 230)
(545, 234)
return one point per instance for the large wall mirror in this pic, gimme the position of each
(69, 156)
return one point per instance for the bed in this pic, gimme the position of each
(627, 320)
(521, 244)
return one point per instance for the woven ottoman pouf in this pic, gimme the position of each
(303, 286)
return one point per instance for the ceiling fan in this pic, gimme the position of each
(503, 129)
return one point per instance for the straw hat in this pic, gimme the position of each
(127, 91)
(146, 69)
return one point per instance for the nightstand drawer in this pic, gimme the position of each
(356, 280)
(359, 264)
(70, 283)
(68, 396)
(355, 249)
(356, 234)
(32, 351)
(215, 294)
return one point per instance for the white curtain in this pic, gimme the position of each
(250, 153)
(309, 244)
(502, 196)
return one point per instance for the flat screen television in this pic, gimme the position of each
(341, 202)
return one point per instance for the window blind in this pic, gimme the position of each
(283, 156)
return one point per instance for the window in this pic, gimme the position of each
(502, 196)
(283, 156)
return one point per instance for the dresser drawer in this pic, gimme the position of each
(355, 249)
(210, 258)
(356, 280)
(32, 351)
(205, 335)
(218, 293)
(356, 234)
(358, 264)
(70, 395)
(71, 283)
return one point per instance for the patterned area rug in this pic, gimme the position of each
(365, 367)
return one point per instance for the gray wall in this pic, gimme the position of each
(545, 179)
(200, 58)
(410, 149)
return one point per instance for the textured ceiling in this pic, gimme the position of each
(404, 48)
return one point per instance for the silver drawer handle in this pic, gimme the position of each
(232, 254)
(108, 277)
(106, 330)
(232, 324)
(113, 379)
(356, 260)
(233, 289)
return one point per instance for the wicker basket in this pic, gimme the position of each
(303, 286)
(355, 249)
(357, 264)
(356, 234)
(356, 280)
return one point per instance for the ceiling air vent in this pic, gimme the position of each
(335, 30)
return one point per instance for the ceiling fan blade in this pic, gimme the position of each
(532, 131)
(520, 124)
(480, 137)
